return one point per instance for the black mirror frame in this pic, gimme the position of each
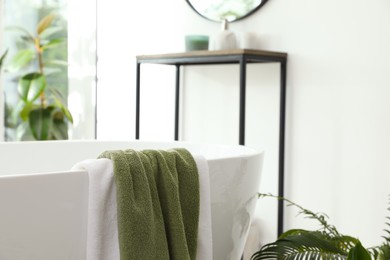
(242, 17)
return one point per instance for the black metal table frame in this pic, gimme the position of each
(242, 59)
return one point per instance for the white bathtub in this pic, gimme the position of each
(43, 205)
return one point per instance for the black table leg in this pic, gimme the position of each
(282, 126)
(137, 101)
(242, 101)
(177, 102)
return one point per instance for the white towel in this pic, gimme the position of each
(102, 232)
(205, 241)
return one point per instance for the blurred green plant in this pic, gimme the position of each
(41, 108)
(324, 243)
(2, 58)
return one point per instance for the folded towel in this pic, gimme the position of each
(102, 231)
(157, 203)
(205, 241)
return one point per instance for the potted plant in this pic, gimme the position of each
(324, 243)
(42, 110)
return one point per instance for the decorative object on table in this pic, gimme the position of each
(232, 10)
(42, 108)
(196, 42)
(324, 243)
(225, 39)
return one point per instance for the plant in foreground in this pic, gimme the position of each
(42, 109)
(325, 243)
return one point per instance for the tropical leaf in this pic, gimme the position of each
(23, 132)
(31, 86)
(56, 63)
(40, 122)
(15, 112)
(48, 123)
(8, 123)
(52, 43)
(380, 252)
(2, 58)
(25, 111)
(21, 60)
(344, 243)
(320, 217)
(326, 243)
(46, 34)
(26, 34)
(67, 113)
(307, 245)
(45, 23)
(59, 103)
(358, 253)
(293, 232)
(385, 252)
(52, 70)
(60, 127)
(387, 236)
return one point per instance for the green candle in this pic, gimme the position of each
(197, 42)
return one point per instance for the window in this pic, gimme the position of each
(49, 73)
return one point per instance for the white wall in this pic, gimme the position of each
(338, 108)
(337, 155)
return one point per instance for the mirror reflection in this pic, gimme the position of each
(231, 10)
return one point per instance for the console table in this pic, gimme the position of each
(237, 56)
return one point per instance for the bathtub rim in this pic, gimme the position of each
(246, 151)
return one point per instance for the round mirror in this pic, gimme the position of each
(231, 10)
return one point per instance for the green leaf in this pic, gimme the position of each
(358, 253)
(3, 58)
(45, 23)
(24, 113)
(67, 114)
(52, 43)
(58, 99)
(63, 108)
(27, 35)
(21, 60)
(320, 217)
(51, 71)
(56, 63)
(293, 232)
(31, 86)
(60, 127)
(40, 122)
(385, 252)
(15, 112)
(307, 245)
(50, 31)
(23, 132)
(344, 243)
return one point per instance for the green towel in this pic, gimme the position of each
(158, 203)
